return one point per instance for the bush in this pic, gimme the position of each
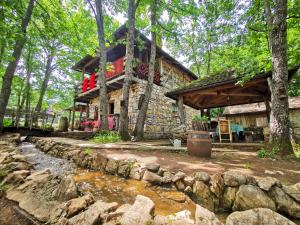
(106, 137)
(200, 118)
(263, 153)
(7, 122)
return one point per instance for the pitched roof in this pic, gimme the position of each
(294, 103)
(120, 32)
(222, 78)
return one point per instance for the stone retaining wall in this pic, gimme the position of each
(231, 190)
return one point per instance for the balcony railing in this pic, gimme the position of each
(114, 70)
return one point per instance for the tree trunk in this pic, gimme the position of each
(102, 67)
(27, 97)
(279, 117)
(141, 118)
(44, 86)
(124, 120)
(10, 70)
(20, 103)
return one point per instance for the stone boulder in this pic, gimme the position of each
(112, 166)
(202, 195)
(152, 178)
(99, 161)
(189, 181)
(137, 172)
(153, 167)
(66, 190)
(14, 166)
(261, 216)
(93, 213)
(125, 167)
(179, 218)
(217, 184)
(284, 203)
(293, 191)
(205, 217)
(140, 213)
(202, 176)
(17, 177)
(234, 178)
(178, 176)
(250, 197)
(266, 183)
(167, 177)
(228, 197)
(76, 205)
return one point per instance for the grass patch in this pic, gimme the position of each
(2, 174)
(106, 137)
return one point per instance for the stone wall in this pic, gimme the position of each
(231, 190)
(162, 115)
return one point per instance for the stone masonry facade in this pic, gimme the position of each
(162, 114)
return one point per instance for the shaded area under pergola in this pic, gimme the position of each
(222, 90)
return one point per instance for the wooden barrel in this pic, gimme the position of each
(63, 124)
(199, 144)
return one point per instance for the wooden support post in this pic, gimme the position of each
(80, 116)
(73, 117)
(53, 119)
(268, 109)
(181, 110)
(87, 110)
(82, 74)
(69, 118)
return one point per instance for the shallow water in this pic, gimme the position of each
(41, 161)
(115, 189)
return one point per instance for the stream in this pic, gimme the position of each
(110, 188)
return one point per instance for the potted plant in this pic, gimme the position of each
(200, 123)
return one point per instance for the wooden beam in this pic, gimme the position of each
(181, 110)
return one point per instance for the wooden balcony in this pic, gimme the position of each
(115, 76)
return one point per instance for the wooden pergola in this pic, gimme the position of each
(222, 90)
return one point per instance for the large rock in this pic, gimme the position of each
(217, 184)
(174, 195)
(293, 191)
(99, 161)
(66, 190)
(250, 197)
(112, 166)
(284, 203)
(137, 172)
(92, 215)
(228, 197)
(140, 213)
(153, 167)
(189, 180)
(125, 167)
(74, 206)
(205, 217)
(16, 177)
(202, 176)
(14, 166)
(180, 218)
(152, 178)
(202, 195)
(266, 183)
(178, 176)
(167, 177)
(234, 178)
(258, 216)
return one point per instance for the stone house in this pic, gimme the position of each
(162, 114)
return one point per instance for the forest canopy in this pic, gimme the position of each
(206, 36)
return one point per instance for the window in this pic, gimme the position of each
(174, 107)
(111, 108)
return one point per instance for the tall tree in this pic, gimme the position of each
(140, 122)
(276, 16)
(102, 66)
(124, 120)
(50, 53)
(10, 70)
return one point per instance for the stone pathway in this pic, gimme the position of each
(288, 171)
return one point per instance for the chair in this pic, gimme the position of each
(225, 129)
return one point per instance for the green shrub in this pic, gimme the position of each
(2, 174)
(7, 122)
(263, 153)
(106, 137)
(200, 118)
